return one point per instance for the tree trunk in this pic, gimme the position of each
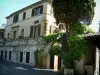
(68, 33)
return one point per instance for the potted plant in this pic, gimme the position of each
(68, 65)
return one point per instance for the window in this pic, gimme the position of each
(45, 28)
(37, 11)
(8, 35)
(37, 30)
(50, 29)
(24, 15)
(22, 33)
(15, 19)
(15, 34)
(31, 31)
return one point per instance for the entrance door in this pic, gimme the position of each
(1, 54)
(10, 55)
(21, 56)
(27, 57)
(51, 62)
(5, 55)
(59, 62)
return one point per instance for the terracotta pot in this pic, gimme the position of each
(68, 71)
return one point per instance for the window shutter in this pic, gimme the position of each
(39, 30)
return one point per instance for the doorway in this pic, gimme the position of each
(55, 62)
(21, 56)
(10, 55)
(59, 62)
(1, 54)
(52, 62)
(5, 55)
(27, 57)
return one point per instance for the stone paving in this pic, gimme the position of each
(9, 68)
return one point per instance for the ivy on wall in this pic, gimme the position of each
(40, 58)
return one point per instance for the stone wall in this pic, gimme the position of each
(21, 45)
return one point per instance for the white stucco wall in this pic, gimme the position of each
(29, 21)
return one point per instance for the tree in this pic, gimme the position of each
(71, 12)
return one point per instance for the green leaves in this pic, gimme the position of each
(77, 44)
(73, 11)
(79, 29)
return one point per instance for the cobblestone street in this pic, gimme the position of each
(9, 68)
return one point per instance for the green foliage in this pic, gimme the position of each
(77, 44)
(40, 57)
(79, 29)
(73, 11)
(53, 37)
(55, 49)
(36, 53)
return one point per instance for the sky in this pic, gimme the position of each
(9, 6)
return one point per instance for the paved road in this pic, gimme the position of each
(8, 68)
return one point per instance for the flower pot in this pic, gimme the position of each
(68, 71)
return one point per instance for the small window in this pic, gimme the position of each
(15, 19)
(24, 15)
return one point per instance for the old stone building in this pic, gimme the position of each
(24, 30)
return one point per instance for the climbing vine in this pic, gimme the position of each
(77, 44)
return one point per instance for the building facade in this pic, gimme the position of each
(24, 30)
(32, 21)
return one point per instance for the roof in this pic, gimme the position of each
(92, 34)
(30, 6)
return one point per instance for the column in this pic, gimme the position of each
(97, 62)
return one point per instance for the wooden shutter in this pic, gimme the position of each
(39, 29)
